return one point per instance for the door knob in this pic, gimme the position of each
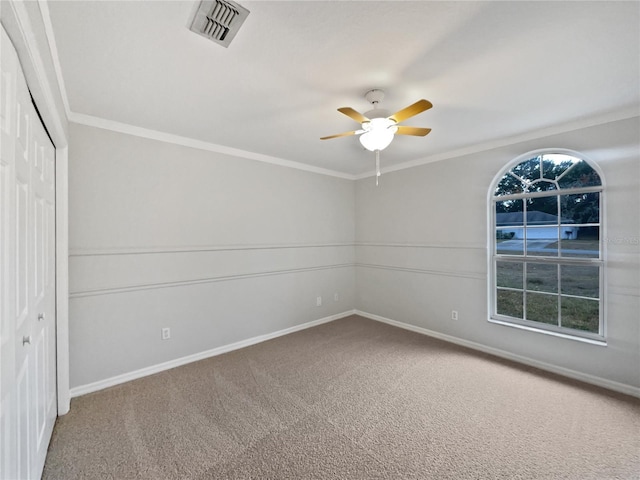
(26, 339)
(41, 316)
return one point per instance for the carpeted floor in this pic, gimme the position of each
(350, 399)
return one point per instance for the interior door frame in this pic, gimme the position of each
(18, 19)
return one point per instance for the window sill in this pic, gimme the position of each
(601, 343)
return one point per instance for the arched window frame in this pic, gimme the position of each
(598, 337)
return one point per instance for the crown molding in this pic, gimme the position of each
(125, 128)
(89, 120)
(98, 122)
(614, 116)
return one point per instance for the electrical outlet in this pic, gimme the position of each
(336, 297)
(166, 333)
(318, 301)
(454, 314)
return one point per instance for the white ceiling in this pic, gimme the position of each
(493, 71)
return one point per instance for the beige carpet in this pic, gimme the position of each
(351, 399)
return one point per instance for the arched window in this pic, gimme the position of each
(546, 249)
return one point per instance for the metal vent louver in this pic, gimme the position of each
(219, 20)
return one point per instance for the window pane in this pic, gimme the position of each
(587, 245)
(583, 281)
(509, 213)
(569, 232)
(542, 186)
(581, 208)
(555, 165)
(542, 277)
(580, 175)
(542, 241)
(509, 274)
(542, 210)
(580, 314)
(528, 170)
(507, 243)
(509, 303)
(542, 308)
(509, 185)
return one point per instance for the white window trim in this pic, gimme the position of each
(587, 337)
(602, 343)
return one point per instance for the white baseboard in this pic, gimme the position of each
(143, 372)
(584, 377)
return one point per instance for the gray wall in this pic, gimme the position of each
(220, 249)
(421, 251)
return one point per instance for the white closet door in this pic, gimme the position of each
(27, 323)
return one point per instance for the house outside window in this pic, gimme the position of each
(546, 255)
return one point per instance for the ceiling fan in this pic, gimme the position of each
(378, 127)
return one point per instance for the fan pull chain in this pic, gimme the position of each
(377, 166)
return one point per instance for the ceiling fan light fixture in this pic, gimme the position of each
(378, 133)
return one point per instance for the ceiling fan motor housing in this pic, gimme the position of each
(374, 96)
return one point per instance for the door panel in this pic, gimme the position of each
(20, 274)
(50, 311)
(38, 253)
(40, 382)
(23, 427)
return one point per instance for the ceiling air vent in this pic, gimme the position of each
(219, 20)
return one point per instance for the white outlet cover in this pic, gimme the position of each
(318, 301)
